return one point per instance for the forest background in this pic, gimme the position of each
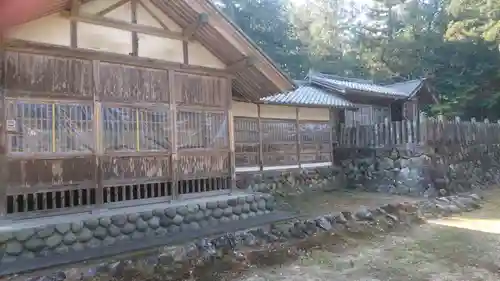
(454, 44)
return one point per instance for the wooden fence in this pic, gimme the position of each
(424, 131)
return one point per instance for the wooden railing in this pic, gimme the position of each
(424, 131)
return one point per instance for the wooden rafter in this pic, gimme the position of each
(153, 15)
(190, 30)
(241, 64)
(75, 9)
(112, 7)
(123, 25)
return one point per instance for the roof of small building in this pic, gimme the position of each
(398, 90)
(309, 95)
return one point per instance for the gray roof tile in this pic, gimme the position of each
(404, 89)
(309, 95)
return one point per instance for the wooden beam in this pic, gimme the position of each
(111, 8)
(241, 64)
(153, 15)
(135, 38)
(190, 30)
(75, 8)
(123, 25)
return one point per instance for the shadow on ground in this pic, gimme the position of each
(461, 248)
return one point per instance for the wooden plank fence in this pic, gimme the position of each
(424, 131)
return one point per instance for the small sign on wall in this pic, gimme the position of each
(11, 126)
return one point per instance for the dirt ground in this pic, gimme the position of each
(465, 248)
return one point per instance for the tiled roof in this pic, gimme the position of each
(402, 90)
(309, 95)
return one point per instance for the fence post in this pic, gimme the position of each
(486, 130)
(422, 128)
(387, 131)
(458, 132)
(441, 127)
(473, 132)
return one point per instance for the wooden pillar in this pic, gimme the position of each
(297, 127)
(261, 153)
(75, 7)
(98, 150)
(174, 173)
(333, 132)
(4, 164)
(230, 128)
(135, 38)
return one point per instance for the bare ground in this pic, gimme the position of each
(464, 248)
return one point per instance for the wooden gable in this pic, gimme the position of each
(184, 33)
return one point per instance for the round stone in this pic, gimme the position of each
(34, 244)
(24, 234)
(245, 208)
(270, 205)
(45, 232)
(108, 241)
(119, 220)
(92, 223)
(250, 198)
(94, 243)
(105, 222)
(166, 221)
(14, 248)
(193, 208)
(211, 205)
(85, 235)
(228, 211)
(69, 238)
(174, 229)
(241, 200)
(183, 210)
(232, 202)
(161, 231)
(147, 215)
(76, 227)
(53, 241)
(260, 213)
(235, 217)
(158, 212)
(217, 213)
(222, 204)
(141, 225)
(170, 212)
(261, 205)
(203, 206)
(189, 218)
(100, 233)
(254, 207)
(194, 226)
(128, 228)
(61, 249)
(113, 231)
(207, 213)
(225, 220)
(138, 235)
(199, 216)
(244, 216)
(237, 210)
(252, 214)
(204, 224)
(132, 218)
(178, 219)
(154, 222)
(77, 246)
(6, 236)
(63, 228)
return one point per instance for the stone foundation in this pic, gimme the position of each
(74, 234)
(291, 182)
(275, 244)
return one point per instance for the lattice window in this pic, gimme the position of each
(136, 129)
(279, 142)
(246, 141)
(50, 127)
(315, 143)
(200, 129)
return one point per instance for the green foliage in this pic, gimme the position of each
(453, 43)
